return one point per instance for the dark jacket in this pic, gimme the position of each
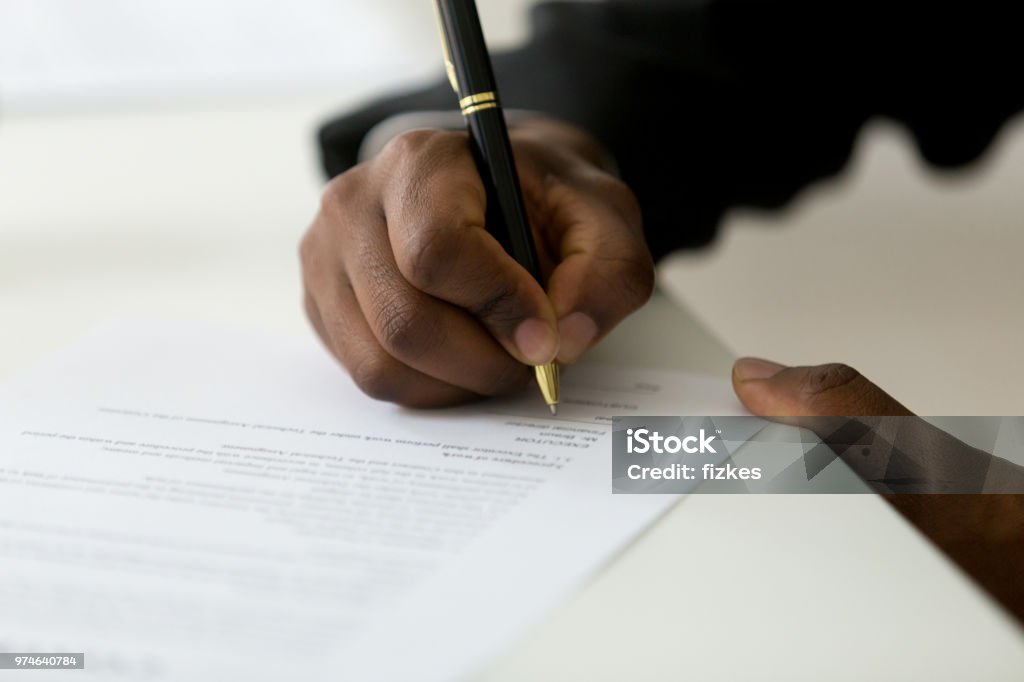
(710, 105)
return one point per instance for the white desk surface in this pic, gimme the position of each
(196, 214)
(910, 274)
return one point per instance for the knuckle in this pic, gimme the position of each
(308, 248)
(313, 259)
(375, 376)
(406, 331)
(417, 145)
(312, 311)
(430, 245)
(829, 377)
(612, 188)
(836, 389)
(623, 199)
(498, 303)
(528, 149)
(341, 193)
(636, 279)
(320, 258)
(409, 143)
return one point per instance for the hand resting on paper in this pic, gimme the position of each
(422, 305)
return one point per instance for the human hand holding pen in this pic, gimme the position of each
(423, 306)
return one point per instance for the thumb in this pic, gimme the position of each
(769, 389)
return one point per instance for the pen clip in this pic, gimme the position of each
(449, 67)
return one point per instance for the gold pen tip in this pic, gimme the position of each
(547, 379)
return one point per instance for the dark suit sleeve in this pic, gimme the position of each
(712, 105)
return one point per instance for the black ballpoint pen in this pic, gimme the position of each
(469, 71)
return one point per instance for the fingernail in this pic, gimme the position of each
(536, 341)
(576, 331)
(751, 369)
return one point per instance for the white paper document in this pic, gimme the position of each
(185, 503)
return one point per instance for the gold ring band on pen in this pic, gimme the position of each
(478, 102)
